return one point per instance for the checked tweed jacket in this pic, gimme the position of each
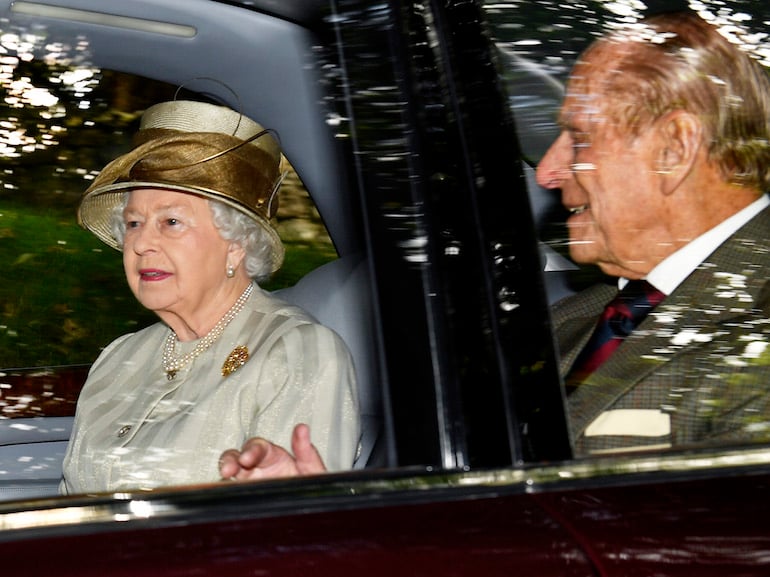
(696, 370)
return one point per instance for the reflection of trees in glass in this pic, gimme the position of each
(555, 32)
(50, 93)
(36, 94)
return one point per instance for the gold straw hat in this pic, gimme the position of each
(195, 148)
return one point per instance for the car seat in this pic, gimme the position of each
(338, 295)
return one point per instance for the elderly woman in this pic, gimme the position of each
(190, 208)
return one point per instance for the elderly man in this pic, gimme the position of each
(663, 162)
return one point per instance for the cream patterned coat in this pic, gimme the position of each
(136, 429)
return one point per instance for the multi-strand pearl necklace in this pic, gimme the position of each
(172, 363)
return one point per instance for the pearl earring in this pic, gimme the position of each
(230, 271)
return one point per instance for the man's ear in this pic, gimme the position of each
(680, 138)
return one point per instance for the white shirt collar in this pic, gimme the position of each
(672, 270)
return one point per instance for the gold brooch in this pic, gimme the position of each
(235, 360)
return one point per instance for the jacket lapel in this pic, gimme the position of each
(574, 319)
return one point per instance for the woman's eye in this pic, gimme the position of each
(132, 224)
(172, 221)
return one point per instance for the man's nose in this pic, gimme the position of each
(555, 166)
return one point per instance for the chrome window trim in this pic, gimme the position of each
(344, 491)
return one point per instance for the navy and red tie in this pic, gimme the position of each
(621, 316)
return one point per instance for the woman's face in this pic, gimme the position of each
(174, 257)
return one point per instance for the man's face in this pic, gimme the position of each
(606, 179)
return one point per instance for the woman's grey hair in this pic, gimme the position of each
(233, 225)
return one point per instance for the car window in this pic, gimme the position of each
(536, 44)
(64, 296)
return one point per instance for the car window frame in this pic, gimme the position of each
(240, 506)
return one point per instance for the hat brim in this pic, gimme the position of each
(98, 205)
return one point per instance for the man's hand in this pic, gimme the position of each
(261, 459)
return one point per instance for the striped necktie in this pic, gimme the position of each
(621, 316)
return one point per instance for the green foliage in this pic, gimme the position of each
(62, 297)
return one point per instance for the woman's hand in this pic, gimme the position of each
(261, 459)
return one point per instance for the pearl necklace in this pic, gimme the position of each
(172, 363)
